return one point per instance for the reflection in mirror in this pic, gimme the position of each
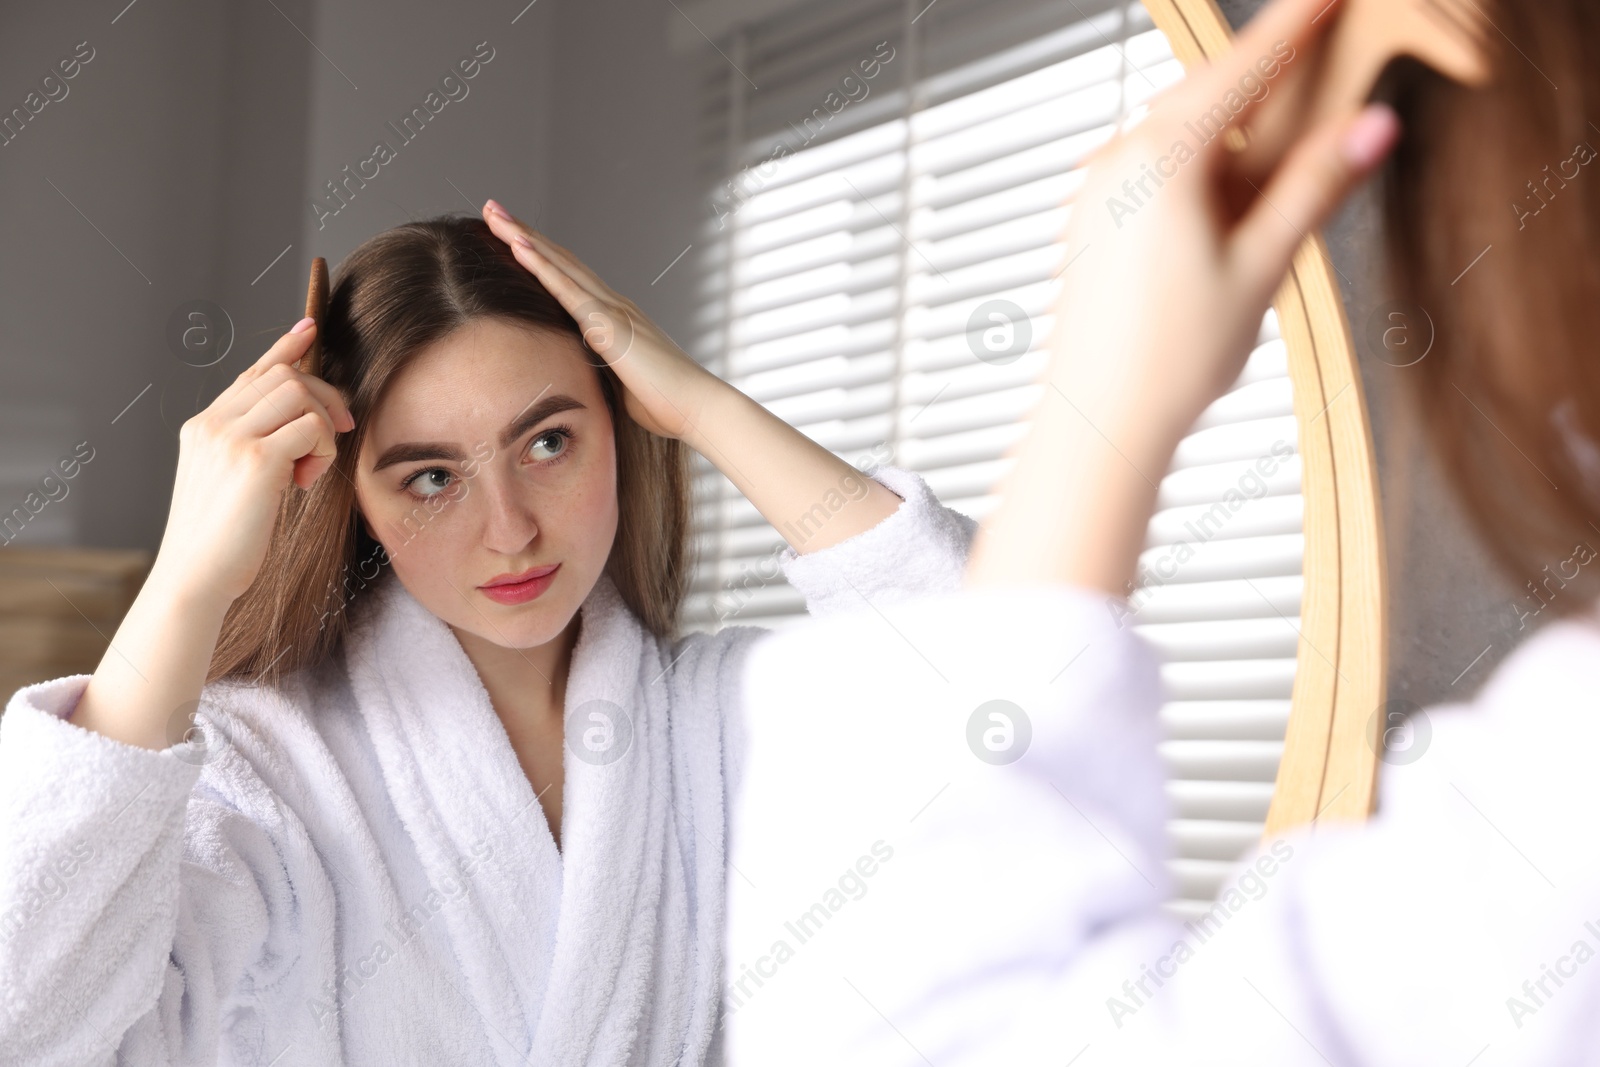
(880, 267)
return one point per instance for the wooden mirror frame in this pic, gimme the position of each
(1331, 747)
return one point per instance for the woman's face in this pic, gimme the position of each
(492, 454)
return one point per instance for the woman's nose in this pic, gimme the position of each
(509, 522)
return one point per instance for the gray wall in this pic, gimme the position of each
(190, 148)
(113, 217)
(623, 179)
(493, 141)
(1452, 615)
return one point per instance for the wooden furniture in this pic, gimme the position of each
(1329, 768)
(59, 608)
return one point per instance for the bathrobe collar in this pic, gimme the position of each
(559, 950)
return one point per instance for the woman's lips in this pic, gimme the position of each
(520, 592)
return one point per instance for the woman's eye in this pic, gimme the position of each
(554, 441)
(430, 482)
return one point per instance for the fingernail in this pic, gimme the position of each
(303, 325)
(1371, 135)
(523, 241)
(495, 207)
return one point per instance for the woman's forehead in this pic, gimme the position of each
(483, 374)
(489, 353)
(513, 343)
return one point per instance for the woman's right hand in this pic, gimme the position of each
(1160, 317)
(275, 424)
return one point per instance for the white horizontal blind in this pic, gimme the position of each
(1223, 608)
(851, 239)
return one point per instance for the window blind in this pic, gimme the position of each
(883, 178)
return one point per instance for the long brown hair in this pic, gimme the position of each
(393, 296)
(1492, 218)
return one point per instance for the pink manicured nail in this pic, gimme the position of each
(303, 325)
(1371, 135)
(524, 242)
(495, 207)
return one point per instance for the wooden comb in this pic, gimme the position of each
(316, 308)
(1454, 37)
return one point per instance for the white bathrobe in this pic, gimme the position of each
(356, 869)
(936, 904)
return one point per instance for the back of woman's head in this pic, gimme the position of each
(1492, 204)
(391, 298)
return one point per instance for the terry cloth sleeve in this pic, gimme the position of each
(919, 549)
(124, 934)
(951, 849)
(983, 802)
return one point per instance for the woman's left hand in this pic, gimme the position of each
(666, 390)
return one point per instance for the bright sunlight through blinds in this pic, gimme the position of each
(840, 280)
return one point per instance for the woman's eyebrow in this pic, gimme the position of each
(536, 413)
(532, 415)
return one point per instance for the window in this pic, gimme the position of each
(879, 269)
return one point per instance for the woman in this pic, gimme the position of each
(290, 817)
(1003, 800)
